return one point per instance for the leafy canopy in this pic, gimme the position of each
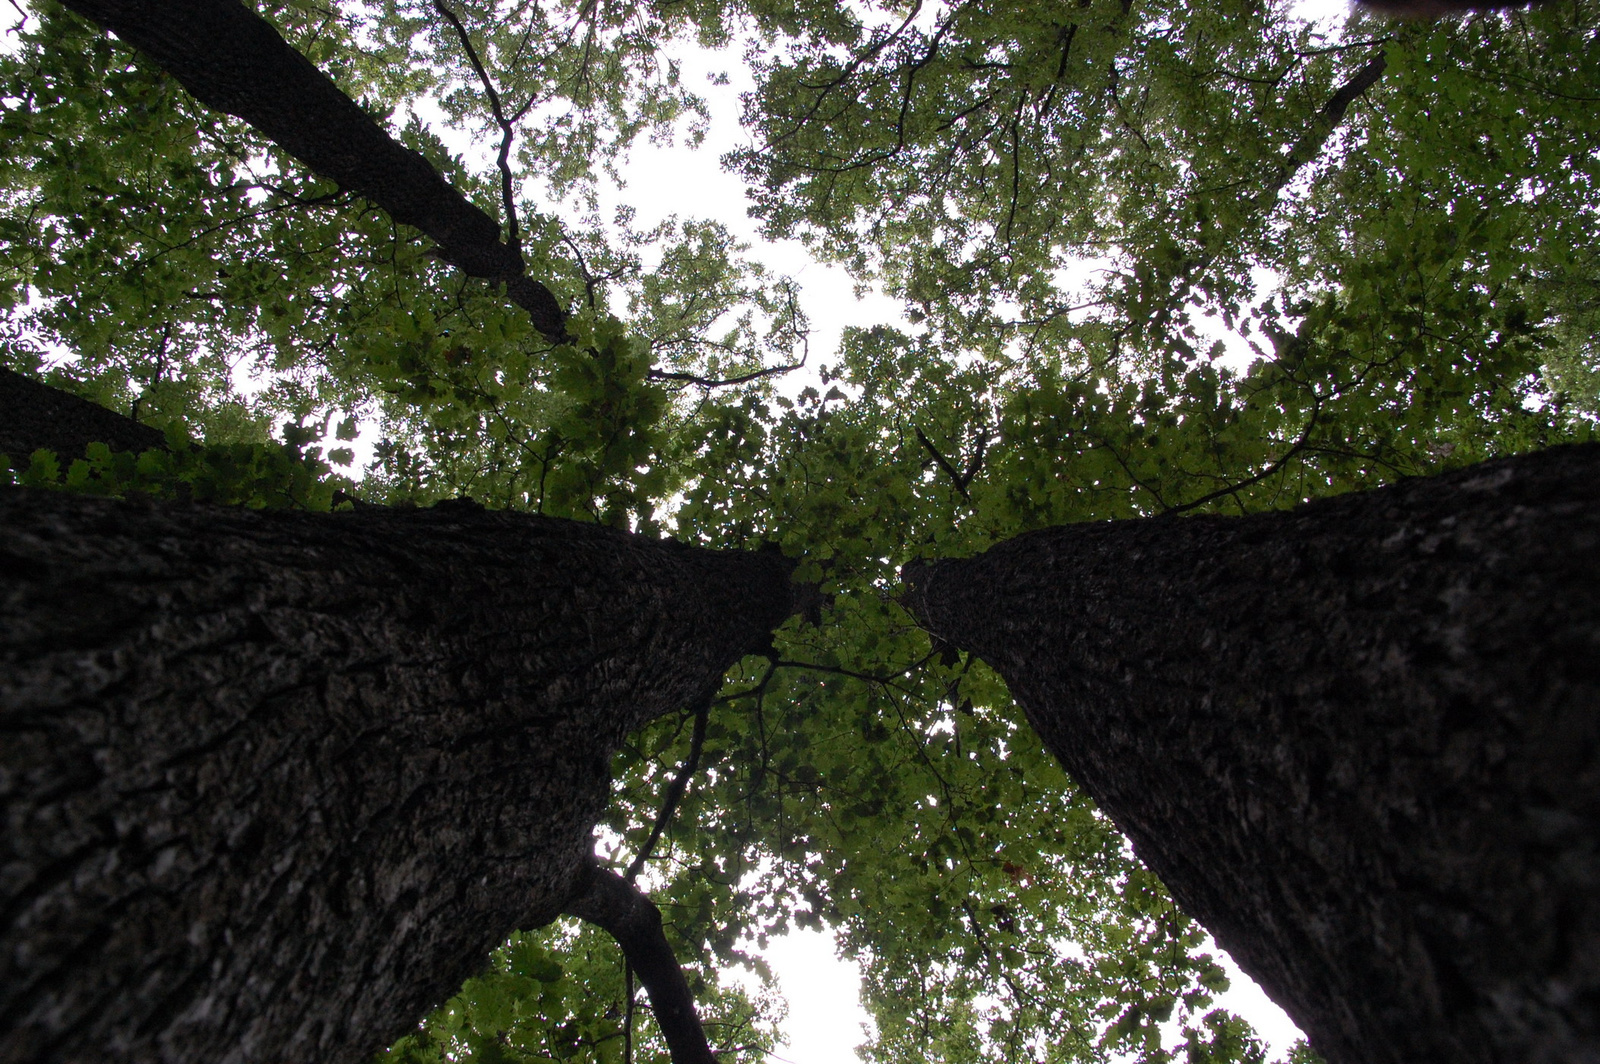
(1154, 258)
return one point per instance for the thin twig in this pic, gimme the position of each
(1298, 446)
(627, 1013)
(711, 382)
(507, 129)
(674, 795)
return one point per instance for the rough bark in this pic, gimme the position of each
(1360, 741)
(234, 61)
(34, 415)
(274, 783)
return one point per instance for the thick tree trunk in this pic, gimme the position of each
(274, 783)
(1359, 741)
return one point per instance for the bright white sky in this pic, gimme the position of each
(826, 1020)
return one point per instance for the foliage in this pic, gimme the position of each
(558, 995)
(1151, 264)
(255, 475)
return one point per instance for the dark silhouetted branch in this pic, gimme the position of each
(35, 416)
(616, 906)
(1298, 446)
(507, 129)
(234, 61)
(715, 382)
(961, 479)
(674, 795)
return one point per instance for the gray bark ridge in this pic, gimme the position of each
(234, 61)
(274, 783)
(1359, 741)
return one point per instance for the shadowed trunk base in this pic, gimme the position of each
(274, 784)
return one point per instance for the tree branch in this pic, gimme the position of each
(975, 463)
(940, 460)
(616, 906)
(627, 1014)
(507, 133)
(35, 416)
(1282, 460)
(961, 480)
(714, 382)
(674, 795)
(1306, 148)
(1328, 118)
(232, 60)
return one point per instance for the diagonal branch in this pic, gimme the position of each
(1306, 148)
(1311, 142)
(35, 416)
(674, 795)
(1298, 446)
(234, 61)
(616, 906)
(871, 51)
(975, 463)
(507, 131)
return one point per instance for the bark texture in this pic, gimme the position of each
(1359, 741)
(274, 783)
(234, 61)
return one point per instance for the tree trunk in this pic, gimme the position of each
(1359, 741)
(274, 783)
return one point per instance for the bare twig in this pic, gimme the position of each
(507, 129)
(873, 49)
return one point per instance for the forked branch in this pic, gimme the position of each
(507, 126)
(962, 478)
